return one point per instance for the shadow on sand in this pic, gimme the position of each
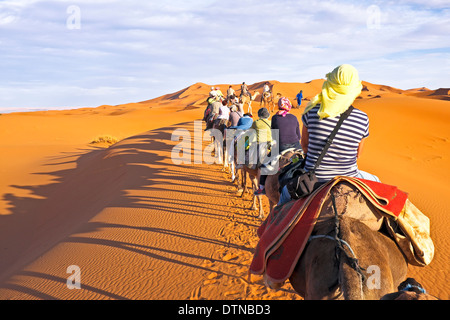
(102, 178)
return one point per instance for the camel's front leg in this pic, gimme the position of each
(244, 182)
(226, 163)
(233, 171)
(261, 209)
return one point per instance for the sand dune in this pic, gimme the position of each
(440, 94)
(140, 227)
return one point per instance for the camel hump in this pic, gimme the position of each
(351, 203)
(410, 230)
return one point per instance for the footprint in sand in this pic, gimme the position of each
(212, 275)
(230, 293)
(229, 256)
(195, 295)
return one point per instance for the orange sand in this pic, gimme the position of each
(140, 227)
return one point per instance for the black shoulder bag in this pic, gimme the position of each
(306, 182)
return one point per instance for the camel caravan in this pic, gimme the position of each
(333, 231)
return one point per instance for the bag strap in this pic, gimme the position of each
(331, 137)
(266, 123)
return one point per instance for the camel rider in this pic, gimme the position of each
(214, 109)
(264, 138)
(219, 94)
(263, 126)
(266, 89)
(212, 93)
(224, 113)
(212, 96)
(321, 114)
(244, 123)
(240, 145)
(230, 94)
(244, 90)
(235, 115)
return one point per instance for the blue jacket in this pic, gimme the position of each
(299, 98)
(244, 123)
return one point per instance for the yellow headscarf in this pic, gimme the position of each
(339, 91)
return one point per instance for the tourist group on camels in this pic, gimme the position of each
(333, 230)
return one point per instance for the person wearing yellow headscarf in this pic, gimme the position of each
(339, 91)
(319, 119)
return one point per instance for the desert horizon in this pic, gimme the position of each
(96, 188)
(438, 93)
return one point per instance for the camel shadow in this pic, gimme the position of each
(102, 178)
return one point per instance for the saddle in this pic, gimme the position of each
(286, 230)
(295, 165)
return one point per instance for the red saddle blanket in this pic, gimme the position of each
(286, 230)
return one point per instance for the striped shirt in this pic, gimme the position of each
(340, 159)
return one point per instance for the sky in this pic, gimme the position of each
(87, 53)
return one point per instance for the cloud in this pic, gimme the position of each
(142, 49)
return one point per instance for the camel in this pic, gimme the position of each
(247, 99)
(253, 175)
(267, 100)
(272, 185)
(244, 171)
(277, 98)
(218, 144)
(346, 244)
(229, 158)
(321, 273)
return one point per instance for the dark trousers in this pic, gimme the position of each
(285, 146)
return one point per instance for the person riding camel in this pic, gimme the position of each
(244, 90)
(219, 94)
(231, 94)
(321, 115)
(288, 133)
(221, 121)
(240, 142)
(266, 89)
(212, 93)
(224, 114)
(211, 113)
(288, 126)
(235, 115)
(263, 128)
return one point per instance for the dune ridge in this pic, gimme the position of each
(134, 222)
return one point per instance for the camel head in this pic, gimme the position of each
(287, 157)
(409, 289)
